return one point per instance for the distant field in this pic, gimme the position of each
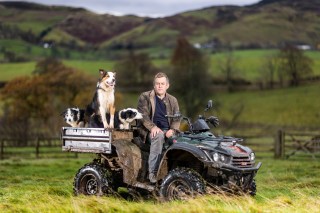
(279, 108)
(90, 67)
(289, 107)
(10, 71)
(45, 185)
(27, 51)
(249, 63)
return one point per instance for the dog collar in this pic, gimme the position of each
(98, 87)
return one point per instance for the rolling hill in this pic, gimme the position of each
(267, 24)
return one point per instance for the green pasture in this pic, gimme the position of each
(36, 52)
(45, 185)
(9, 71)
(35, 21)
(282, 108)
(250, 64)
(90, 67)
(262, 111)
(24, 49)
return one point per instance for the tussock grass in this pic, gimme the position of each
(46, 186)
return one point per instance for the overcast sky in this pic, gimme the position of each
(152, 8)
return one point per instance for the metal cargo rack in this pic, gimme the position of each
(93, 140)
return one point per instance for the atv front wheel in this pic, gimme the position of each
(252, 188)
(181, 184)
(92, 179)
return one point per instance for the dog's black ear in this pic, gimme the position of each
(131, 114)
(75, 111)
(102, 72)
(124, 114)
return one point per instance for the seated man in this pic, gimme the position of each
(154, 105)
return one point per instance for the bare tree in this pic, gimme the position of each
(270, 69)
(135, 69)
(294, 64)
(227, 67)
(190, 76)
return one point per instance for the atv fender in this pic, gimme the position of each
(130, 157)
(196, 152)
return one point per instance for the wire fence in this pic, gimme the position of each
(35, 148)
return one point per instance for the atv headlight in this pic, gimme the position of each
(222, 158)
(252, 156)
(215, 156)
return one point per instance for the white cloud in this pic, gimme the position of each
(155, 8)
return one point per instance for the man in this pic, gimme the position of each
(154, 105)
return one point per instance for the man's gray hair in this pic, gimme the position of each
(160, 75)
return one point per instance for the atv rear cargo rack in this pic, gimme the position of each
(94, 140)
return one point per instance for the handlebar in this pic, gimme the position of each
(176, 115)
(212, 119)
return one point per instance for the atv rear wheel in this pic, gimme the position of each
(182, 184)
(92, 179)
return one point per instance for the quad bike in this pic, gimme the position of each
(193, 162)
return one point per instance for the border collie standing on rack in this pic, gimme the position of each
(103, 100)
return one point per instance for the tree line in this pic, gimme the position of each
(289, 66)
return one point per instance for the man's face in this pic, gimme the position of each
(160, 86)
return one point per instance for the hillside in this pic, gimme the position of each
(267, 24)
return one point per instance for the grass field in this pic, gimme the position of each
(9, 71)
(249, 63)
(289, 107)
(45, 185)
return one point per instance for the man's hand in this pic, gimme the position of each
(154, 131)
(169, 133)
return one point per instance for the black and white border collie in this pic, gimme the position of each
(122, 119)
(74, 117)
(103, 100)
(127, 116)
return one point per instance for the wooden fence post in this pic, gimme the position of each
(2, 150)
(279, 145)
(37, 147)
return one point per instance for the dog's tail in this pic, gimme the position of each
(89, 111)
